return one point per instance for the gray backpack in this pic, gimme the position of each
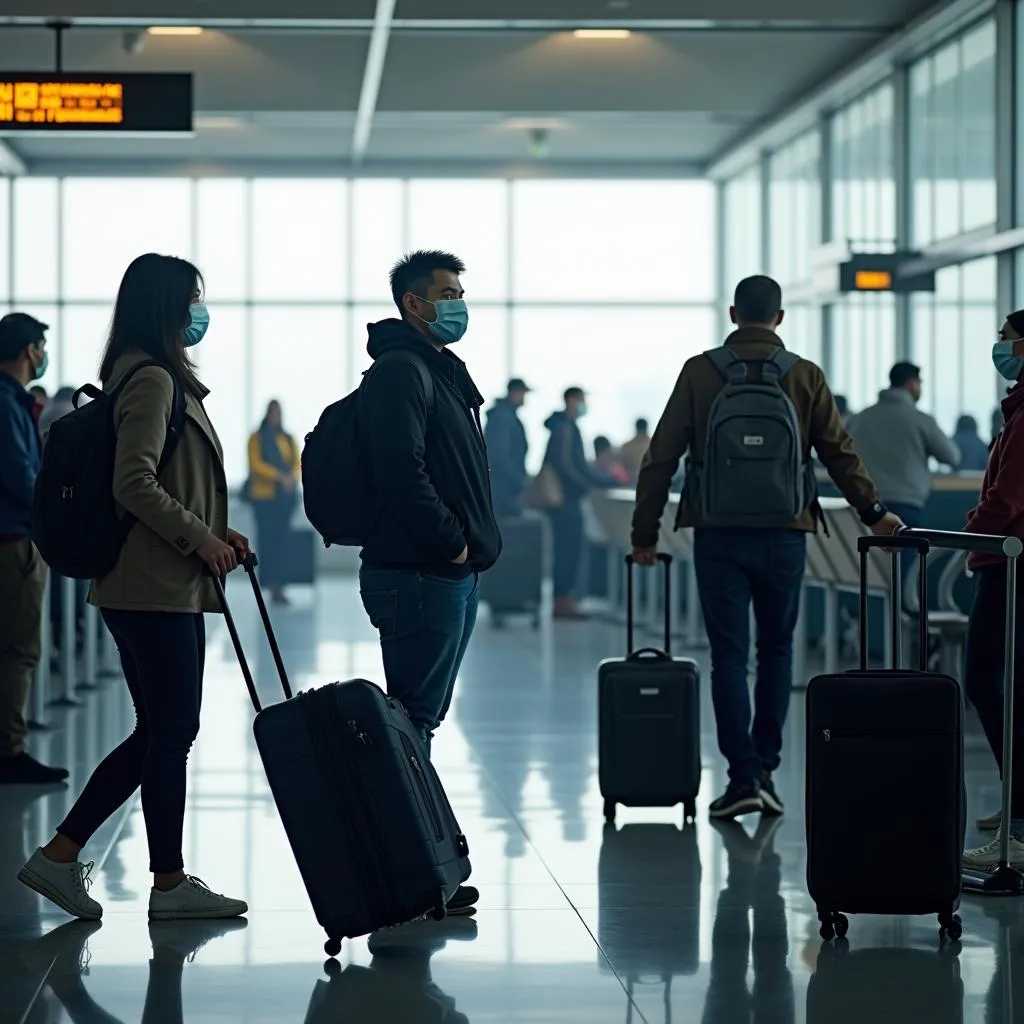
(755, 472)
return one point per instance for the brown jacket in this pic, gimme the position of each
(683, 428)
(157, 569)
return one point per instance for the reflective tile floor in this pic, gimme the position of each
(577, 922)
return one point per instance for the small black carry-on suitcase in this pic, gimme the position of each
(367, 818)
(514, 585)
(649, 720)
(885, 772)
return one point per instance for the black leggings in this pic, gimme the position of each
(983, 669)
(163, 654)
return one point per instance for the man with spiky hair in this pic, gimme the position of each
(420, 437)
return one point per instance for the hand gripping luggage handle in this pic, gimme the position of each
(665, 560)
(249, 563)
(895, 543)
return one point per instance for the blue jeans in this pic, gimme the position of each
(734, 568)
(424, 623)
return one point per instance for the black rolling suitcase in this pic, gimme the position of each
(885, 772)
(649, 721)
(514, 585)
(367, 818)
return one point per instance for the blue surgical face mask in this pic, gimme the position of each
(40, 370)
(1006, 363)
(581, 410)
(200, 321)
(451, 322)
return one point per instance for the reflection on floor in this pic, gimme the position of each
(643, 921)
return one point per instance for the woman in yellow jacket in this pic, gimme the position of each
(273, 477)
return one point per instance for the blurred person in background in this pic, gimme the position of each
(631, 454)
(844, 408)
(23, 358)
(607, 461)
(41, 398)
(60, 405)
(507, 449)
(565, 455)
(973, 450)
(274, 464)
(896, 440)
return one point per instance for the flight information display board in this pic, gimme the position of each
(112, 102)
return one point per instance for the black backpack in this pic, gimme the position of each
(337, 492)
(76, 523)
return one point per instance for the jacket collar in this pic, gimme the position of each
(133, 357)
(897, 395)
(1013, 401)
(758, 335)
(20, 393)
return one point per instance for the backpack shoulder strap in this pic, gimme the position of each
(732, 369)
(176, 423)
(405, 356)
(778, 365)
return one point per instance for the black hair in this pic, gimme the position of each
(967, 424)
(572, 393)
(414, 272)
(903, 373)
(758, 300)
(151, 314)
(266, 416)
(641, 426)
(601, 445)
(38, 390)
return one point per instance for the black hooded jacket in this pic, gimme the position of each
(429, 467)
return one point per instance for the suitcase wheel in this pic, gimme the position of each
(833, 926)
(439, 913)
(609, 810)
(332, 947)
(950, 927)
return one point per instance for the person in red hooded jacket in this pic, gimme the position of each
(1000, 511)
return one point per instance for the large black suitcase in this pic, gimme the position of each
(649, 721)
(367, 818)
(514, 585)
(885, 772)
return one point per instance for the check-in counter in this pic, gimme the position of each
(829, 606)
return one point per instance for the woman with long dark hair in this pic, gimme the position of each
(273, 475)
(154, 598)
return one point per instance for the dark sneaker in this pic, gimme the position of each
(464, 900)
(739, 798)
(769, 797)
(25, 770)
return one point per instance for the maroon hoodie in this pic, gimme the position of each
(1001, 509)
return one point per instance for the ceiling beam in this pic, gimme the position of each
(11, 163)
(372, 75)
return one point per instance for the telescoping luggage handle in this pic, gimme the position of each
(665, 560)
(249, 564)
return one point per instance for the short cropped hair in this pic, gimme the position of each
(642, 426)
(902, 373)
(414, 272)
(758, 300)
(572, 393)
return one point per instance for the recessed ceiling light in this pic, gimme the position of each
(176, 30)
(602, 33)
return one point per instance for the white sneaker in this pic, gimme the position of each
(192, 898)
(64, 884)
(986, 858)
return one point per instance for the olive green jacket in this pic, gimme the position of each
(157, 569)
(683, 430)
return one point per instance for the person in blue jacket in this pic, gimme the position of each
(507, 449)
(567, 457)
(23, 359)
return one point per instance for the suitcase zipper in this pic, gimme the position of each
(421, 783)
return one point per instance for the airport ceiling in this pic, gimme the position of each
(448, 86)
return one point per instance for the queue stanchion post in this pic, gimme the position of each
(41, 678)
(68, 644)
(90, 650)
